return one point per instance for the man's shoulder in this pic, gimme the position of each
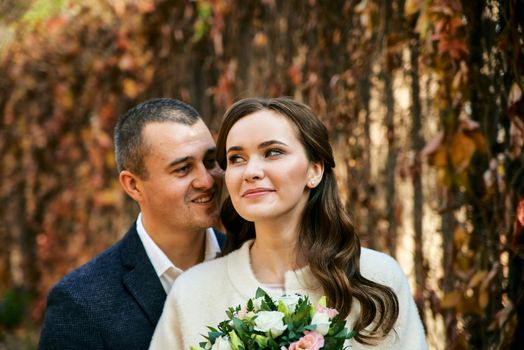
(97, 272)
(91, 275)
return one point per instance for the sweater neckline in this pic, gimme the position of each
(242, 277)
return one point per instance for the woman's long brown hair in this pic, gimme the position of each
(327, 238)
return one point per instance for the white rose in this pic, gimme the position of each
(221, 343)
(321, 320)
(270, 322)
(257, 303)
(290, 301)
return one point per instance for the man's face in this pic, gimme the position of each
(182, 189)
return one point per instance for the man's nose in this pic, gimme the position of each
(204, 178)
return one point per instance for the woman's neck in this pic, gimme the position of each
(274, 252)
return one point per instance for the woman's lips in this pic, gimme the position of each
(256, 192)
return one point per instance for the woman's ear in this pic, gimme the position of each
(131, 184)
(315, 173)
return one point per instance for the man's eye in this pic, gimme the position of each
(183, 170)
(210, 163)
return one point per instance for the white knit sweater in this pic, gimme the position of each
(200, 297)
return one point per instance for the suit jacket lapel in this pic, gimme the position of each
(221, 238)
(141, 280)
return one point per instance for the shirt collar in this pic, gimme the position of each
(159, 259)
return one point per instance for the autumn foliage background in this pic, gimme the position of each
(423, 99)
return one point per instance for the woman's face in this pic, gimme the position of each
(268, 173)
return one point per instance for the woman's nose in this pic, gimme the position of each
(254, 170)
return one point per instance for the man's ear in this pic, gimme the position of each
(131, 184)
(315, 173)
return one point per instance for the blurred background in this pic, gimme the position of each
(423, 100)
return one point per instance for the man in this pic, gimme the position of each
(166, 158)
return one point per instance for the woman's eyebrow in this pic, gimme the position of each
(263, 145)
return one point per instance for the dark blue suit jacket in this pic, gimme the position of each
(112, 302)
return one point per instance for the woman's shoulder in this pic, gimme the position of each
(382, 268)
(204, 272)
(209, 273)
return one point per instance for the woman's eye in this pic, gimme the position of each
(273, 152)
(234, 159)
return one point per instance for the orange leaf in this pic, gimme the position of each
(260, 40)
(435, 151)
(146, 6)
(520, 212)
(462, 149)
(295, 75)
(453, 47)
(478, 139)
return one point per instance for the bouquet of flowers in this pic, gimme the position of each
(289, 323)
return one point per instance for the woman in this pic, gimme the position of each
(288, 232)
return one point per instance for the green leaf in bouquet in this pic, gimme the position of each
(333, 343)
(310, 327)
(201, 347)
(232, 311)
(213, 335)
(236, 343)
(240, 327)
(268, 304)
(302, 314)
(224, 326)
(260, 293)
(272, 344)
(250, 306)
(261, 340)
(282, 308)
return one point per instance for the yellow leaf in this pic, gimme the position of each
(361, 6)
(411, 7)
(130, 88)
(477, 278)
(460, 236)
(515, 94)
(450, 300)
(422, 26)
(107, 197)
(483, 299)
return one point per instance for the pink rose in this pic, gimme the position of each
(327, 310)
(242, 313)
(310, 341)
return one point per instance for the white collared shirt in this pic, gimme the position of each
(165, 270)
